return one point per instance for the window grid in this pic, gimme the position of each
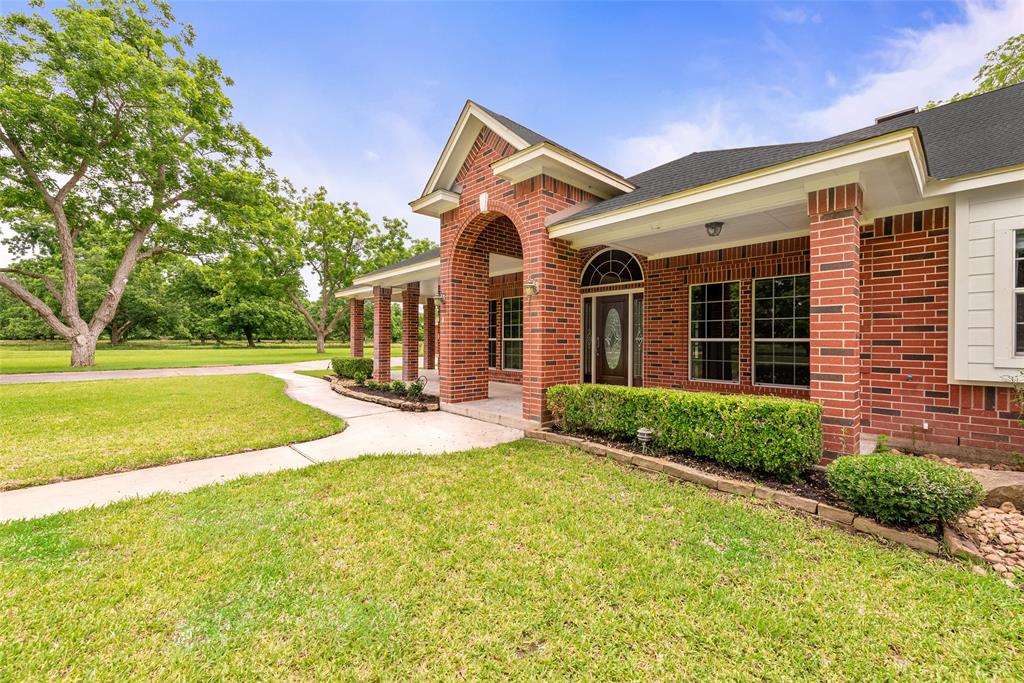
(782, 344)
(492, 333)
(512, 333)
(610, 267)
(1018, 293)
(715, 332)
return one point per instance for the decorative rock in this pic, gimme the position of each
(1007, 507)
(979, 570)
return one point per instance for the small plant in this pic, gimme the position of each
(882, 444)
(414, 390)
(348, 367)
(398, 387)
(904, 490)
(372, 385)
(360, 378)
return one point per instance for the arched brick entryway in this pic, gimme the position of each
(551, 329)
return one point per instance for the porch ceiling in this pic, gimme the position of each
(763, 207)
(428, 275)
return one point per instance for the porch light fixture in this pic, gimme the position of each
(531, 286)
(714, 228)
(644, 436)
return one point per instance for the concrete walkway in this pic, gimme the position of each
(92, 375)
(372, 429)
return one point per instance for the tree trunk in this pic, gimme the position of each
(248, 338)
(83, 351)
(320, 345)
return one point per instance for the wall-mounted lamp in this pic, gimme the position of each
(531, 286)
(714, 228)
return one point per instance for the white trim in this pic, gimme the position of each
(548, 159)
(520, 339)
(643, 275)
(1003, 296)
(417, 268)
(354, 293)
(435, 203)
(1003, 176)
(904, 142)
(470, 122)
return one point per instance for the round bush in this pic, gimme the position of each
(904, 490)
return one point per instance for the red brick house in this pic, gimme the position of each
(879, 272)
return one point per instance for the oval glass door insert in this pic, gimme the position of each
(613, 339)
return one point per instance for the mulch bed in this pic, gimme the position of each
(423, 402)
(812, 485)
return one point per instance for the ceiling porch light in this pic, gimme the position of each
(714, 228)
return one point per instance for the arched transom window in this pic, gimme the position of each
(612, 267)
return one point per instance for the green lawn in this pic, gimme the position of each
(20, 357)
(68, 430)
(521, 562)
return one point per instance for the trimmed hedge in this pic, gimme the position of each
(777, 436)
(348, 367)
(904, 490)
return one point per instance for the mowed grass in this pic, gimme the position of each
(67, 430)
(22, 357)
(522, 562)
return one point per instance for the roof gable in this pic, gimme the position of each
(472, 121)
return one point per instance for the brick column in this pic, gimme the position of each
(835, 314)
(411, 331)
(551, 320)
(382, 334)
(429, 335)
(355, 327)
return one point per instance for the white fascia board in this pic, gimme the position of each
(785, 235)
(467, 128)
(1012, 174)
(355, 293)
(545, 158)
(435, 203)
(905, 142)
(424, 270)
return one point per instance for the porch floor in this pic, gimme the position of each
(503, 406)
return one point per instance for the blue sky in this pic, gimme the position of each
(361, 97)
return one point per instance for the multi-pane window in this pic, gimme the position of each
(715, 332)
(638, 340)
(512, 333)
(1018, 292)
(492, 333)
(782, 331)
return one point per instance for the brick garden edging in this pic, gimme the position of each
(400, 404)
(834, 516)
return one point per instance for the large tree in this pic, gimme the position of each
(110, 124)
(1003, 66)
(335, 241)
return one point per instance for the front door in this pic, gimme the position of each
(613, 338)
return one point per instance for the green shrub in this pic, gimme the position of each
(414, 390)
(348, 367)
(360, 378)
(398, 387)
(776, 436)
(904, 490)
(371, 384)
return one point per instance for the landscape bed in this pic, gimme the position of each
(398, 568)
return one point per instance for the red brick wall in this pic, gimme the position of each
(382, 334)
(667, 309)
(411, 331)
(551, 317)
(356, 330)
(905, 315)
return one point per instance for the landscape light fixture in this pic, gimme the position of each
(714, 228)
(644, 436)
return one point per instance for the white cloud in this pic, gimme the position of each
(794, 15)
(716, 129)
(919, 66)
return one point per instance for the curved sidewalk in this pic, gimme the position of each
(372, 430)
(149, 373)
